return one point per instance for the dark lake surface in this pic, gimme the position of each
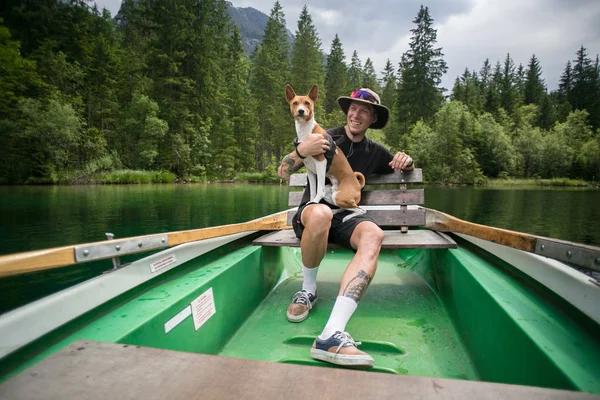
(49, 216)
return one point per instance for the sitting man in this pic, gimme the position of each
(315, 224)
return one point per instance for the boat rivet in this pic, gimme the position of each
(86, 253)
(569, 253)
(542, 247)
(163, 240)
(140, 245)
(118, 247)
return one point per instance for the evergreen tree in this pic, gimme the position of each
(585, 90)
(563, 94)
(355, 73)
(419, 94)
(492, 94)
(485, 74)
(508, 89)
(389, 84)
(238, 146)
(369, 79)
(335, 76)
(534, 84)
(566, 83)
(307, 66)
(270, 71)
(520, 77)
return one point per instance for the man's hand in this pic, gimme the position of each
(402, 161)
(313, 145)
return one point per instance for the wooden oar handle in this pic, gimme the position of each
(39, 260)
(577, 254)
(438, 221)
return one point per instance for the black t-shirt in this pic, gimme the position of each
(366, 156)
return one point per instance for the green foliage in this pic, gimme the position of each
(19, 78)
(52, 133)
(168, 88)
(140, 132)
(441, 150)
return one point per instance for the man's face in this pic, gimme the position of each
(360, 117)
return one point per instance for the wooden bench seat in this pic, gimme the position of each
(391, 240)
(391, 208)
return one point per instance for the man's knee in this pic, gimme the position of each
(367, 236)
(317, 217)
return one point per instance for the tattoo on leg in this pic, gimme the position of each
(357, 286)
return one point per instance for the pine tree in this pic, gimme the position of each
(355, 73)
(369, 79)
(585, 90)
(563, 94)
(389, 84)
(566, 83)
(508, 89)
(485, 74)
(239, 103)
(419, 94)
(492, 94)
(270, 71)
(534, 84)
(335, 76)
(306, 66)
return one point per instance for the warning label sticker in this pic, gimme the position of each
(160, 264)
(203, 308)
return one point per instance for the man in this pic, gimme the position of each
(315, 224)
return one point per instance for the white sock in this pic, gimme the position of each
(343, 309)
(310, 279)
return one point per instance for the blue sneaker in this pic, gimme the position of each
(302, 303)
(340, 349)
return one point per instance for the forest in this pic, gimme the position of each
(165, 93)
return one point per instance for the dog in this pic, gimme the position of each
(345, 183)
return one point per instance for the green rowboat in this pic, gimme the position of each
(458, 315)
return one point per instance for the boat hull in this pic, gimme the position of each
(440, 313)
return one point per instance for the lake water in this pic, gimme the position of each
(49, 216)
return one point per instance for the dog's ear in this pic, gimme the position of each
(289, 93)
(314, 93)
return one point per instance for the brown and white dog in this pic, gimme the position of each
(345, 183)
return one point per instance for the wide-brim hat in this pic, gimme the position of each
(367, 96)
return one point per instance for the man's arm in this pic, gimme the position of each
(290, 164)
(313, 145)
(402, 161)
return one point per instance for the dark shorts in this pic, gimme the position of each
(340, 232)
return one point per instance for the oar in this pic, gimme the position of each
(39, 260)
(571, 253)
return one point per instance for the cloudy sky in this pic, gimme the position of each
(469, 31)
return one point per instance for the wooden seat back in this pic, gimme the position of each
(385, 197)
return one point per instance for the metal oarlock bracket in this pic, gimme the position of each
(115, 260)
(115, 248)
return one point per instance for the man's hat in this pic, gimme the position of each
(367, 96)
